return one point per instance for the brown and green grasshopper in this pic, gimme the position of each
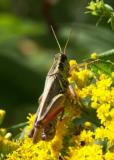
(53, 97)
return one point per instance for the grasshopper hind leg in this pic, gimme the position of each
(33, 134)
(34, 131)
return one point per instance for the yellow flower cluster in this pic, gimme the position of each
(6, 145)
(97, 141)
(88, 152)
(43, 150)
(86, 131)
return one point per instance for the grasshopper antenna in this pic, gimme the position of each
(66, 44)
(56, 39)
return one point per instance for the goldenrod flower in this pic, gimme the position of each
(6, 145)
(86, 136)
(72, 63)
(100, 133)
(109, 156)
(112, 74)
(94, 55)
(89, 152)
(103, 112)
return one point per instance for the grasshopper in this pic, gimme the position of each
(51, 102)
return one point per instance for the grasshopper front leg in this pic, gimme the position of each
(55, 107)
(32, 130)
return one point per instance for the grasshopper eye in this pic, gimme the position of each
(63, 58)
(61, 66)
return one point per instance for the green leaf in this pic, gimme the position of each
(102, 66)
(108, 55)
(20, 125)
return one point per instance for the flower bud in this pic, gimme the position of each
(2, 115)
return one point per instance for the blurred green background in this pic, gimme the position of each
(27, 47)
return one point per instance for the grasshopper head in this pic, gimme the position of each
(60, 58)
(60, 63)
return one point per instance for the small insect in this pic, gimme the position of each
(51, 102)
